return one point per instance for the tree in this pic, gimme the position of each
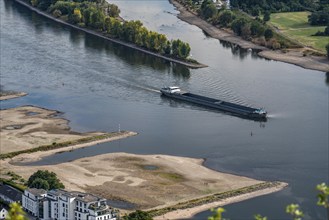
(40, 184)
(268, 34)
(256, 29)
(113, 10)
(49, 177)
(16, 212)
(267, 16)
(138, 215)
(225, 18)
(238, 24)
(327, 48)
(209, 11)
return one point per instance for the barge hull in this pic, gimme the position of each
(216, 104)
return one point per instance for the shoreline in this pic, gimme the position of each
(292, 56)
(98, 34)
(7, 96)
(39, 155)
(190, 212)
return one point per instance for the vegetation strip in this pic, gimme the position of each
(63, 144)
(184, 61)
(214, 197)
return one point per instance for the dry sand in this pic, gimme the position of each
(11, 95)
(190, 212)
(29, 127)
(146, 180)
(293, 56)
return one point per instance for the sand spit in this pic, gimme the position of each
(11, 95)
(29, 127)
(293, 56)
(190, 212)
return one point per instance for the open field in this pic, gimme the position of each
(295, 26)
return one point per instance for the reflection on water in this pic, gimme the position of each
(327, 78)
(236, 49)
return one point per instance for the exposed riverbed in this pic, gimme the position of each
(100, 85)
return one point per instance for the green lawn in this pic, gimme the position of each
(294, 25)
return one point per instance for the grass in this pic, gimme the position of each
(61, 145)
(213, 198)
(295, 25)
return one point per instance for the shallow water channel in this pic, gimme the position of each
(99, 85)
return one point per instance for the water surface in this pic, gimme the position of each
(99, 85)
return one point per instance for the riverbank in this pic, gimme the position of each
(190, 212)
(292, 56)
(5, 95)
(27, 129)
(98, 34)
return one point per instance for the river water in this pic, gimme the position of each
(99, 86)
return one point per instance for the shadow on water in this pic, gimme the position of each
(327, 78)
(135, 58)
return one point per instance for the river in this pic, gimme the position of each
(99, 85)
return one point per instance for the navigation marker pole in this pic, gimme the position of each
(119, 128)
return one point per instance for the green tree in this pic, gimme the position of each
(113, 10)
(138, 215)
(268, 34)
(39, 184)
(16, 212)
(267, 16)
(256, 29)
(217, 214)
(49, 177)
(209, 11)
(225, 18)
(238, 24)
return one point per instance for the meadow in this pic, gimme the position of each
(295, 26)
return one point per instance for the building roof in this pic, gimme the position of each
(11, 193)
(36, 192)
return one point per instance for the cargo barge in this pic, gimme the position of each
(244, 111)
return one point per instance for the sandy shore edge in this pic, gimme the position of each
(293, 56)
(39, 155)
(187, 64)
(190, 212)
(12, 96)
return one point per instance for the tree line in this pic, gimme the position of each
(253, 29)
(102, 16)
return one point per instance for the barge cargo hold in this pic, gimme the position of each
(244, 111)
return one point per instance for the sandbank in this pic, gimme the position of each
(28, 127)
(11, 95)
(190, 212)
(292, 56)
(148, 181)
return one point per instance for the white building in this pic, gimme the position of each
(64, 205)
(32, 200)
(3, 212)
